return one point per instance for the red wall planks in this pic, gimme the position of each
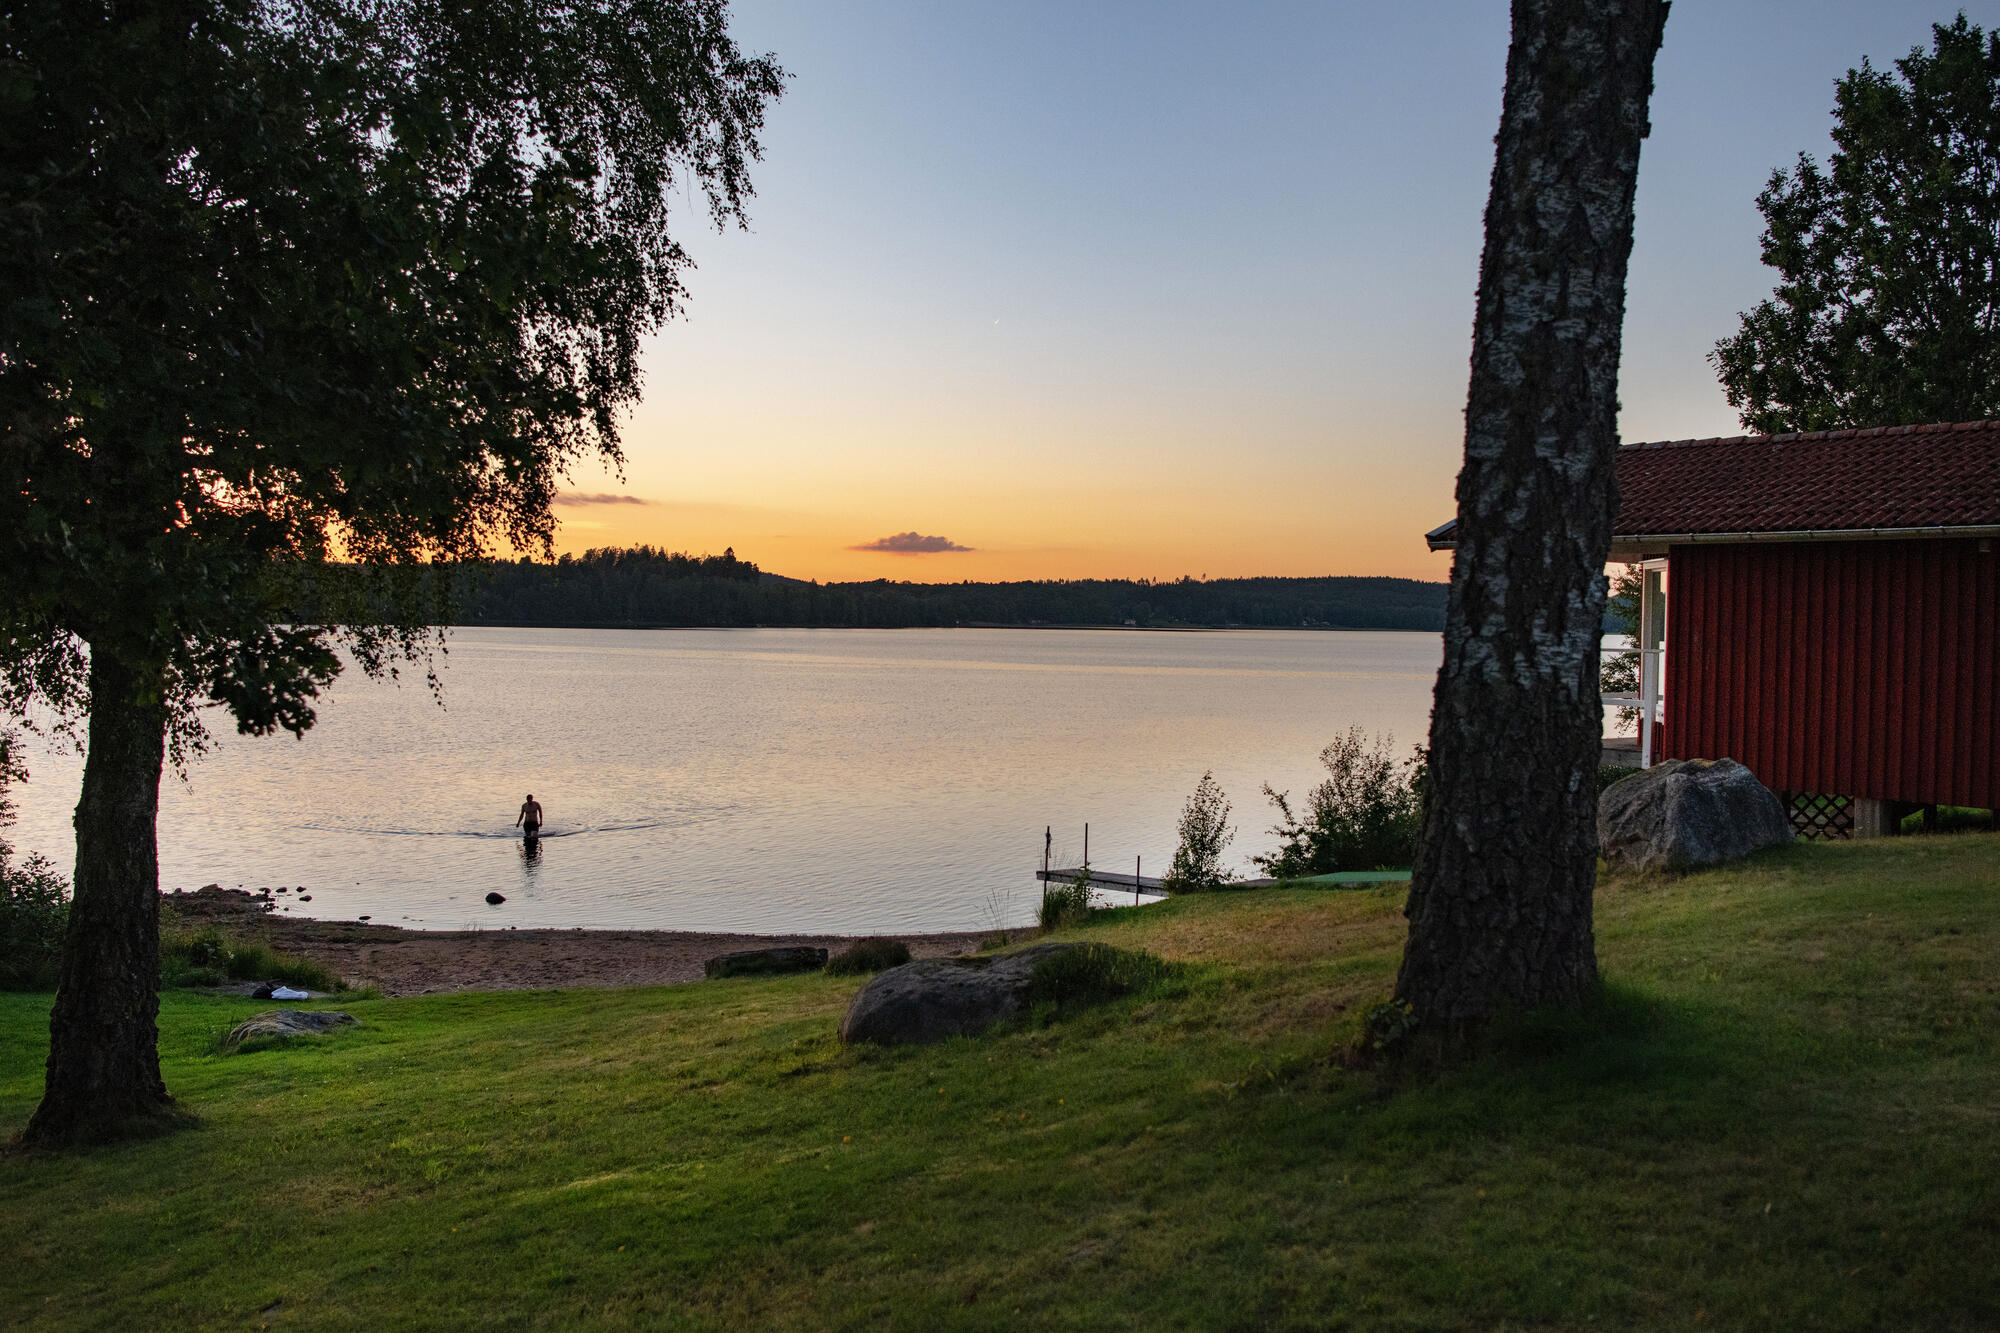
(1863, 669)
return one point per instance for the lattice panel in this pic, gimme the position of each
(1816, 816)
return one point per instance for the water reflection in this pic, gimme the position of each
(864, 781)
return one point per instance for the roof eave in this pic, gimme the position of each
(1635, 545)
(1630, 545)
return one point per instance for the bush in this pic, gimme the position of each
(1367, 815)
(871, 955)
(34, 899)
(1092, 974)
(1065, 903)
(1205, 831)
(207, 957)
(34, 911)
(178, 973)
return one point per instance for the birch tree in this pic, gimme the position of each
(1500, 902)
(291, 286)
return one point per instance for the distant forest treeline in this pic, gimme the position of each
(645, 586)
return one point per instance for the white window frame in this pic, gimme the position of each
(1652, 648)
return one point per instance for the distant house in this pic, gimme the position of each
(1824, 608)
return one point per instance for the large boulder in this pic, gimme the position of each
(935, 998)
(278, 1025)
(766, 962)
(1688, 813)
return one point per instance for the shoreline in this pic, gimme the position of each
(398, 961)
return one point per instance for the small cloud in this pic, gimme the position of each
(598, 498)
(910, 543)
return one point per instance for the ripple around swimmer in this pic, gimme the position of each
(510, 834)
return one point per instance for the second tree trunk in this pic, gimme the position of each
(1500, 903)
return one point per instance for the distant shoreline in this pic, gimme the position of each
(644, 587)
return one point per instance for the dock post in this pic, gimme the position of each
(1086, 846)
(1137, 861)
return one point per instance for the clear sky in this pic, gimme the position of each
(1155, 288)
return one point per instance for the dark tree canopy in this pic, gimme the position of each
(1887, 309)
(285, 280)
(288, 280)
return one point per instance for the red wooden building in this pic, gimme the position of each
(1824, 608)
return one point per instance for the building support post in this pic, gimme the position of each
(1873, 819)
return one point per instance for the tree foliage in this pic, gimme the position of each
(286, 280)
(1887, 308)
(1365, 814)
(1204, 834)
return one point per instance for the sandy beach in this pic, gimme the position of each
(396, 961)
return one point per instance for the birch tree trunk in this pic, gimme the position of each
(1500, 904)
(103, 1077)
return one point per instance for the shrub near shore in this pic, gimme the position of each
(1784, 1118)
(208, 957)
(34, 897)
(1365, 815)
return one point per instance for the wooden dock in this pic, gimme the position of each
(1107, 879)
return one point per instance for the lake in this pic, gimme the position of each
(762, 780)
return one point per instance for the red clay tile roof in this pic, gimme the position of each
(1945, 476)
(1841, 481)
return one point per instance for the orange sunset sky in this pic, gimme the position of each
(1147, 290)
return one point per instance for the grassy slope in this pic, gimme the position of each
(1788, 1120)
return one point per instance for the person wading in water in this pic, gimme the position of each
(529, 821)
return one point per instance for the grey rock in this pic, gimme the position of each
(278, 1024)
(1688, 813)
(935, 998)
(766, 962)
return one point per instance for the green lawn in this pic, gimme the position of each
(1785, 1119)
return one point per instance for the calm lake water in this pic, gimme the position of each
(762, 780)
